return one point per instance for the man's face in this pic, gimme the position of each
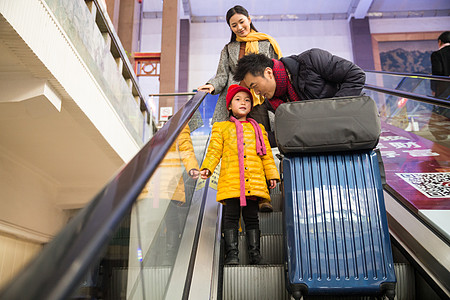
(262, 85)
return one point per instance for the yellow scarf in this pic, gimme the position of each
(252, 42)
(252, 46)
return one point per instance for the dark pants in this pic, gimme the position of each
(232, 212)
(260, 114)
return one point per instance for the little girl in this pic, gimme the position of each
(247, 163)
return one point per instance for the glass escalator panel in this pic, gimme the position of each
(415, 147)
(139, 261)
(421, 85)
(136, 238)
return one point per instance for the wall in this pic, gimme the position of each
(294, 37)
(208, 39)
(410, 30)
(128, 25)
(82, 36)
(151, 35)
(14, 255)
(151, 42)
(28, 196)
(28, 215)
(71, 150)
(409, 25)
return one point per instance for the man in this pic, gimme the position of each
(440, 65)
(313, 74)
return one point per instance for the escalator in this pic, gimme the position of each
(153, 232)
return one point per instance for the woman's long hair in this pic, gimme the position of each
(237, 10)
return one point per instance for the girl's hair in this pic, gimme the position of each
(237, 10)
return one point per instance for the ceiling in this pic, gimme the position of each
(215, 10)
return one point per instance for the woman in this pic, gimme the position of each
(244, 39)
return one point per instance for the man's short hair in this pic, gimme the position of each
(254, 64)
(444, 37)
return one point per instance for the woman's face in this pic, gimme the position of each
(240, 25)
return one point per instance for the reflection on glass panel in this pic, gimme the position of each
(415, 148)
(440, 89)
(107, 279)
(383, 80)
(413, 84)
(439, 126)
(410, 84)
(161, 212)
(139, 260)
(426, 120)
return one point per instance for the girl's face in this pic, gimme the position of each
(240, 25)
(240, 105)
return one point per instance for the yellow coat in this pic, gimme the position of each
(258, 169)
(167, 182)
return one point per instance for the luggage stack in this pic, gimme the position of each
(335, 224)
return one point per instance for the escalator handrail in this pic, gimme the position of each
(426, 76)
(59, 268)
(413, 96)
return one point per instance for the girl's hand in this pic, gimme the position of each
(209, 88)
(204, 174)
(194, 173)
(272, 183)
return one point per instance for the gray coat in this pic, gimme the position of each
(224, 75)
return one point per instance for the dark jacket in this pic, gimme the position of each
(440, 65)
(317, 74)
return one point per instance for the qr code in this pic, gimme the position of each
(432, 185)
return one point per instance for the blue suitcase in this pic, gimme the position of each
(336, 232)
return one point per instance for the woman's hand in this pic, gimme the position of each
(204, 174)
(209, 88)
(272, 183)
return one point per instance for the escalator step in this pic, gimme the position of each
(254, 282)
(268, 282)
(276, 198)
(155, 281)
(269, 223)
(405, 289)
(271, 249)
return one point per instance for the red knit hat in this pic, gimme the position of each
(233, 90)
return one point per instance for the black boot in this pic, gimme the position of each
(253, 244)
(231, 246)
